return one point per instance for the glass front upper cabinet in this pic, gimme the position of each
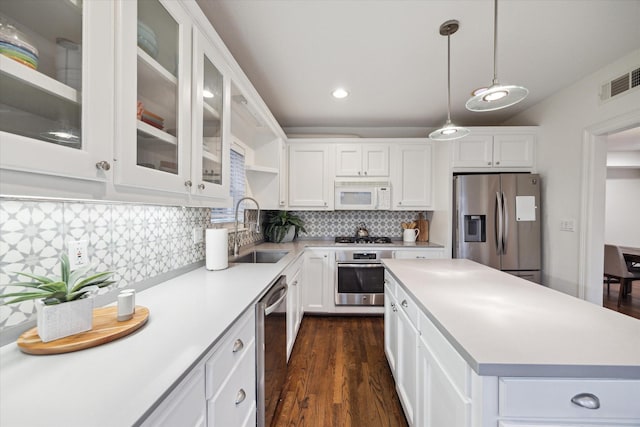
(43, 72)
(210, 152)
(154, 111)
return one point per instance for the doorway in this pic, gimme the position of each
(592, 228)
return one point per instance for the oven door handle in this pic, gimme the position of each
(360, 265)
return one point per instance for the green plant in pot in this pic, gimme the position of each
(64, 303)
(282, 226)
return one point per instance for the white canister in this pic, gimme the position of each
(409, 235)
(217, 248)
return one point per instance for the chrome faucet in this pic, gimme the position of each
(236, 247)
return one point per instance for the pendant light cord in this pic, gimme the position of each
(448, 78)
(495, 42)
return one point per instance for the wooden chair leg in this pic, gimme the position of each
(621, 293)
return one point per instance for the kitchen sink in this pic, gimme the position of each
(259, 257)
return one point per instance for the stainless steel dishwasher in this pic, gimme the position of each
(271, 349)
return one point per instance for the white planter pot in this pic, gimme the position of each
(289, 236)
(61, 320)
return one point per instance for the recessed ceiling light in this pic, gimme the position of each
(340, 93)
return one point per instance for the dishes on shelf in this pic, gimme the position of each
(147, 39)
(15, 45)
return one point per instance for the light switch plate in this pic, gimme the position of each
(198, 235)
(78, 253)
(568, 225)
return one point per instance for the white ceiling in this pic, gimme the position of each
(390, 56)
(628, 140)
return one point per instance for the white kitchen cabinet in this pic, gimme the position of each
(185, 406)
(310, 177)
(362, 160)
(283, 176)
(412, 176)
(318, 281)
(401, 345)
(390, 325)
(51, 123)
(488, 149)
(295, 309)
(231, 376)
(422, 253)
(210, 162)
(153, 120)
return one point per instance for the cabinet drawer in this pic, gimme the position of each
(453, 365)
(409, 254)
(390, 283)
(236, 398)
(234, 345)
(408, 305)
(535, 397)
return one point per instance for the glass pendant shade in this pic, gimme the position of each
(497, 96)
(448, 132)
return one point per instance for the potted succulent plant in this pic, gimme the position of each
(282, 226)
(64, 304)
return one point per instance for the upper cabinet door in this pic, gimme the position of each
(56, 55)
(211, 123)
(154, 87)
(310, 184)
(473, 151)
(412, 184)
(349, 160)
(375, 160)
(513, 150)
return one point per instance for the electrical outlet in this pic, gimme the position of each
(198, 235)
(78, 253)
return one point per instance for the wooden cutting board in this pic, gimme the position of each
(423, 226)
(106, 328)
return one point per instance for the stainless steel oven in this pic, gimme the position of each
(360, 277)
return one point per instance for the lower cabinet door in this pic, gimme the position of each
(440, 402)
(235, 401)
(406, 381)
(185, 406)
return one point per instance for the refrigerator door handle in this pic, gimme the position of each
(499, 225)
(505, 233)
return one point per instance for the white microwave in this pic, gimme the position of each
(351, 195)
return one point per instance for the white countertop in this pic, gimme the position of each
(506, 326)
(116, 383)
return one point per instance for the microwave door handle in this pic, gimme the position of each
(375, 199)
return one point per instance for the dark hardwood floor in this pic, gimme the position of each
(629, 305)
(338, 376)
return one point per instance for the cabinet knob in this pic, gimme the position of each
(393, 307)
(489, 163)
(240, 396)
(103, 165)
(497, 163)
(201, 187)
(238, 345)
(295, 283)
(365, 172)
(586, 400)
(405, 303)
(188, 184)
(325, 203)
(359, 173)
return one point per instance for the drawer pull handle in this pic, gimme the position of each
(240, 396)
(586, 400)
(405, 304)
(238, 345)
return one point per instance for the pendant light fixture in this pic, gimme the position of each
(496, 96)
(449, 131)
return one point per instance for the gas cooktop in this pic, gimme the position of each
(363, 240)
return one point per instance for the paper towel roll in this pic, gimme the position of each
(217, 248)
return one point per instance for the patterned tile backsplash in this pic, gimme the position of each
(136, 242)
(345, 223)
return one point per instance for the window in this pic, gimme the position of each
(237, 189)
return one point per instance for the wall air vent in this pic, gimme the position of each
(619, 85)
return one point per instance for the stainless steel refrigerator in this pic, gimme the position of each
(497, 222)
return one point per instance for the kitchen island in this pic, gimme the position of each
(510, 352)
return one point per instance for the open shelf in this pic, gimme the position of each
(261, 169)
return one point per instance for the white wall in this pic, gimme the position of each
(622, 208)
(563, 119)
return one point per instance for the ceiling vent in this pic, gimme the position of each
(621, 84)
